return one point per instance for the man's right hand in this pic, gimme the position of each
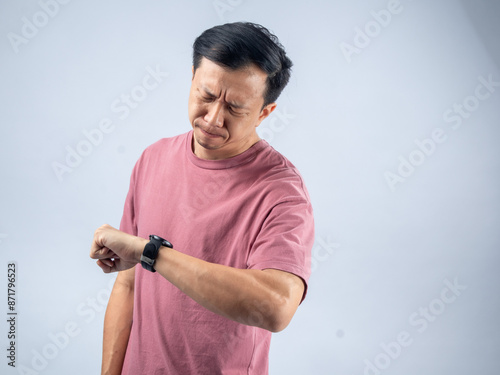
(116, 250)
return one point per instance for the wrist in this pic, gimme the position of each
(141, 244)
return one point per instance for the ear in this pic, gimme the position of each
(192, 70)
(266, 111)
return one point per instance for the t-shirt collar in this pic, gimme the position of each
(243, 158)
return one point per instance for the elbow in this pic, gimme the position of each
(278, 325)
(275, 308)
(278, 318)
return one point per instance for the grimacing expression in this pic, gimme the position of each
(225, 108)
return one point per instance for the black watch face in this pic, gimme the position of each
(162, 241)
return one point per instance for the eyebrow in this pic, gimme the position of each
(212, 95)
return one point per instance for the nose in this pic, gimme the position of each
(215, 114)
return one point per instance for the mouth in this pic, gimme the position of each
(209, 134)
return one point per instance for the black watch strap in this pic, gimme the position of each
(150, 253)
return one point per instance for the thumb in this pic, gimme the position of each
(97, 252)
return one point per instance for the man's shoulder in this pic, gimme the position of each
(165, 151)
(166, 144)
(282, 176)
(276, 162)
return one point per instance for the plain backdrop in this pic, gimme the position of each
(392, 116)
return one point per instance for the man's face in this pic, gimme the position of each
(225, 108)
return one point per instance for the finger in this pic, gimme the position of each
(95, 251)
(104, 267)
(108, 262)
(101, 253)
(96, 245)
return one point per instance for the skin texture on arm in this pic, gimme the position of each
(263, 298)
(117, 323)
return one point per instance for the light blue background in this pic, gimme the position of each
(381, 254)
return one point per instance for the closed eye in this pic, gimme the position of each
(235, 111)
(207, 99)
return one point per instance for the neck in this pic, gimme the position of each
(223, 152)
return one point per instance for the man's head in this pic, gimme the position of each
(239, 70)
(240, 44)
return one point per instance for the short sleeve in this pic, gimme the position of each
(128, 223)
(285, 240)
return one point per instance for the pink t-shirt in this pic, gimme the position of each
(249, 211)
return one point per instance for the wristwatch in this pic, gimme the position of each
(150, 253)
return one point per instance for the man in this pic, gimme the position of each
(221, 223)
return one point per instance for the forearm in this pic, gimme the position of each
(252, 297)
(117, 326)
(263, 298)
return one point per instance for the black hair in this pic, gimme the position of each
(240, 44)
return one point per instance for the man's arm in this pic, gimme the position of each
(117, 323)
(263, 298)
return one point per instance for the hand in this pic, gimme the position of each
(116, 250)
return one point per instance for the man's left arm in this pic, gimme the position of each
(263, 298)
